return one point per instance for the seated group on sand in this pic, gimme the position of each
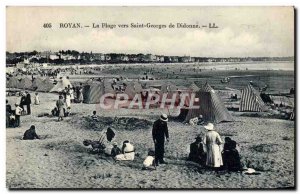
(228, 159)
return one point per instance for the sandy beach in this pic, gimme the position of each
(60, 160)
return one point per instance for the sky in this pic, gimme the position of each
(241, 32)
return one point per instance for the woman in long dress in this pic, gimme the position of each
(212, 140)
(68, 100)
(72, 94)
(80, 98)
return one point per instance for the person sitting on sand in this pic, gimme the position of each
(193, 121)
(128, 152)
(200, 120)
(95, 116)
(197, 153)
(231, 157)
(149, 162)
(54, 112)
(105, 138)
(115, 150)
(30, 134)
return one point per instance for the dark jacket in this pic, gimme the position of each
(8, 109)
(115, 151)
(28, 99)
(23, 101)
(160, 131)
(30, 135)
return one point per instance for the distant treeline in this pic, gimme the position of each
(75, 57)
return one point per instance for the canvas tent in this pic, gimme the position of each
(61, 84)
(36, 83)
(210, 107)
(45, 86)
(12, 82)
(251, 100)
(92, 92)
(25, 83)
(108, 89)
(194, 87)
(132, 89)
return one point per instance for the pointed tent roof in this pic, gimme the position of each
(61, 84)
(210, 106)
(45, 86)
(132, 89)
(108, 88)
(194, 87)
(251, 100)
(36, 83)
(12, 82)
(92, 92)
(25, 83)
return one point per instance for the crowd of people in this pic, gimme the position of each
(205, 151)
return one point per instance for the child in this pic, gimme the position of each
(36, 99)
(18, 113)
(94, 116)
(115, 150)
(149, 162)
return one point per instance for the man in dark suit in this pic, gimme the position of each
(159, 133)
(28, 102)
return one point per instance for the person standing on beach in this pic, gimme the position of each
(212, 140)
(23, 101)
(60, 106)
(18, 112)
(159, 133)
(28, 102)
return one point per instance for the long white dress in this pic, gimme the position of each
(68, 100)
(71, 94)
(213, 141)
(129, 153)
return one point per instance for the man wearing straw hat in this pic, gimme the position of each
(212, 140)
(159, 133)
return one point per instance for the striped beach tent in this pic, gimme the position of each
(132, 89)
(194, 87)
(45, 86)
(251, 100)
(210, 106)
(92, 92)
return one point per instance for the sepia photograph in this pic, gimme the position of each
(150, 97)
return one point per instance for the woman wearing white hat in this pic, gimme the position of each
(213, 141)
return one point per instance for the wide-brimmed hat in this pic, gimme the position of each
(209, 127)
(164, 117)
(115, 144)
